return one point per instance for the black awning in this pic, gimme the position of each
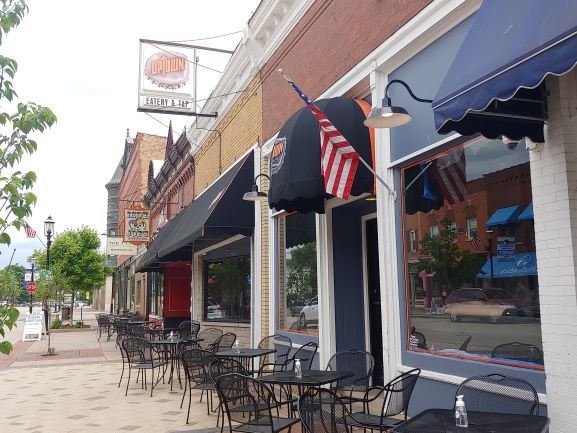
(494, 86)
(296, 182)
(217, 214)
(150, 261)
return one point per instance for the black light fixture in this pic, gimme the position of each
(254, 194)
(389, 116)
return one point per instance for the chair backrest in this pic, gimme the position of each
(221, 366)
(119, 343)
(398, 393)
(246, 401)
(519, 351)
(359, 362)
(306, 353)
(281, 343)
(209, 336)
(322, 411)
(134, 349)
(225, 342)
(186, 345)
(136, 329)
(102, 320)
(498, 393)
(196, 363)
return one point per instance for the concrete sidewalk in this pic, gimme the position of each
(77, 391)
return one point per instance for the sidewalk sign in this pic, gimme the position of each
(33, 327)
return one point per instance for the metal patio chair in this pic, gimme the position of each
(142, 357)
(395, 396)
(220, 367)
(500, 394)
(209, 336)
(519, 351)
(250, 405)
(322, 411)
(196, 363)
(361, 364)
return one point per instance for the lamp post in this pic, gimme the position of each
(32, 263)
(490, 248)
(48, 232)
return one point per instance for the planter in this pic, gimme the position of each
(69, 329)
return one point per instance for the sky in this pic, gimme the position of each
(81, 60)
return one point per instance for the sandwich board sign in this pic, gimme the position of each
(33, 327)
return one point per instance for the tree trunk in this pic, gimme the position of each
(72, 309)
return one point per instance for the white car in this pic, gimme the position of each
(213, 310)
(310, 313)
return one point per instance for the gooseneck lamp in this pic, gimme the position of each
(390, 116)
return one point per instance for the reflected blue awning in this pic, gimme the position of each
(520, 265)
(527, 213)
(493, 85)
(504, 215)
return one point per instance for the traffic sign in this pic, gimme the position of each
(31, 287)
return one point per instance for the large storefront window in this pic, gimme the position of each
(156, 292)
(227, 283)
(472, 285)
(298, 296)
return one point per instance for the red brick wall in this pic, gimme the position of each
(331, 38)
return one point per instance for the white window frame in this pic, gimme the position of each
(469, 231)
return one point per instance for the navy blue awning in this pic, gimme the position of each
(527, 213)
(519, 265)
(494, 85)
(504, 215)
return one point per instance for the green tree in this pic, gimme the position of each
(441, 255)
(8, 317)
(302, 272)
(11, 278)
(23, 120)
(76, 263)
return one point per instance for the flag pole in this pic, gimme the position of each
(367, 165)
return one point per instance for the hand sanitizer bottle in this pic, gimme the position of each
(236, 346)
(461, 413)
(298, 369)
(171, 335)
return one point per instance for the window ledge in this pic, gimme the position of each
(452, 379)
(210, 323)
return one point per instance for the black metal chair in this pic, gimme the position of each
(306, 353)
(119, 340)
(104, 325)
(196, 363)
(500, 394)
(418, 339)
(395, 395)
(224, 342)
(519, 351)
(283, 346)
(250, 405)
(220, 367)
(143, 357)
(209, 336)
(361, 364)
(322, 411)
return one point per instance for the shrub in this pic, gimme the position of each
(79, 324)
(56, 324)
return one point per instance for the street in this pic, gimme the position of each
(441, 333)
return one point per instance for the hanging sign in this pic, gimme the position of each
(115, 246)
(137, 225)
(166, 77)
(505, 248)
(31, 287)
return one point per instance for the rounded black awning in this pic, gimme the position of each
(296, 181)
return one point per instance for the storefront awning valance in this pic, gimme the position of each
(296, 182)
(217, 214)
(494, 86)
(519, 265)
(527, 213)
(504, 215)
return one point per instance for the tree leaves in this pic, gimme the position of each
(8, 318)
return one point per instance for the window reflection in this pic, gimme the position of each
(298, 296)
(472, 287)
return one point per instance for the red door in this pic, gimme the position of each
(177, 277)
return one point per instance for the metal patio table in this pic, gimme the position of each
(171, 345)
(246, 356)
(443, 421)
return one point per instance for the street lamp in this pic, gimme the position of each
(32, 263)
(49, 232)
(490, 248)
(254, 194)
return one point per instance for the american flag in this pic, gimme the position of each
(339, 159)
(449, 170)
(30, 232)
(475, 241)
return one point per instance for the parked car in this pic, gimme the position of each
(494, 305)
(296, 308)
(213, 310)
(310, 312)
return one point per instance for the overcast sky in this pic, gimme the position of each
(81, 60)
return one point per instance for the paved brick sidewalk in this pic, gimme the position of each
(77, 391)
